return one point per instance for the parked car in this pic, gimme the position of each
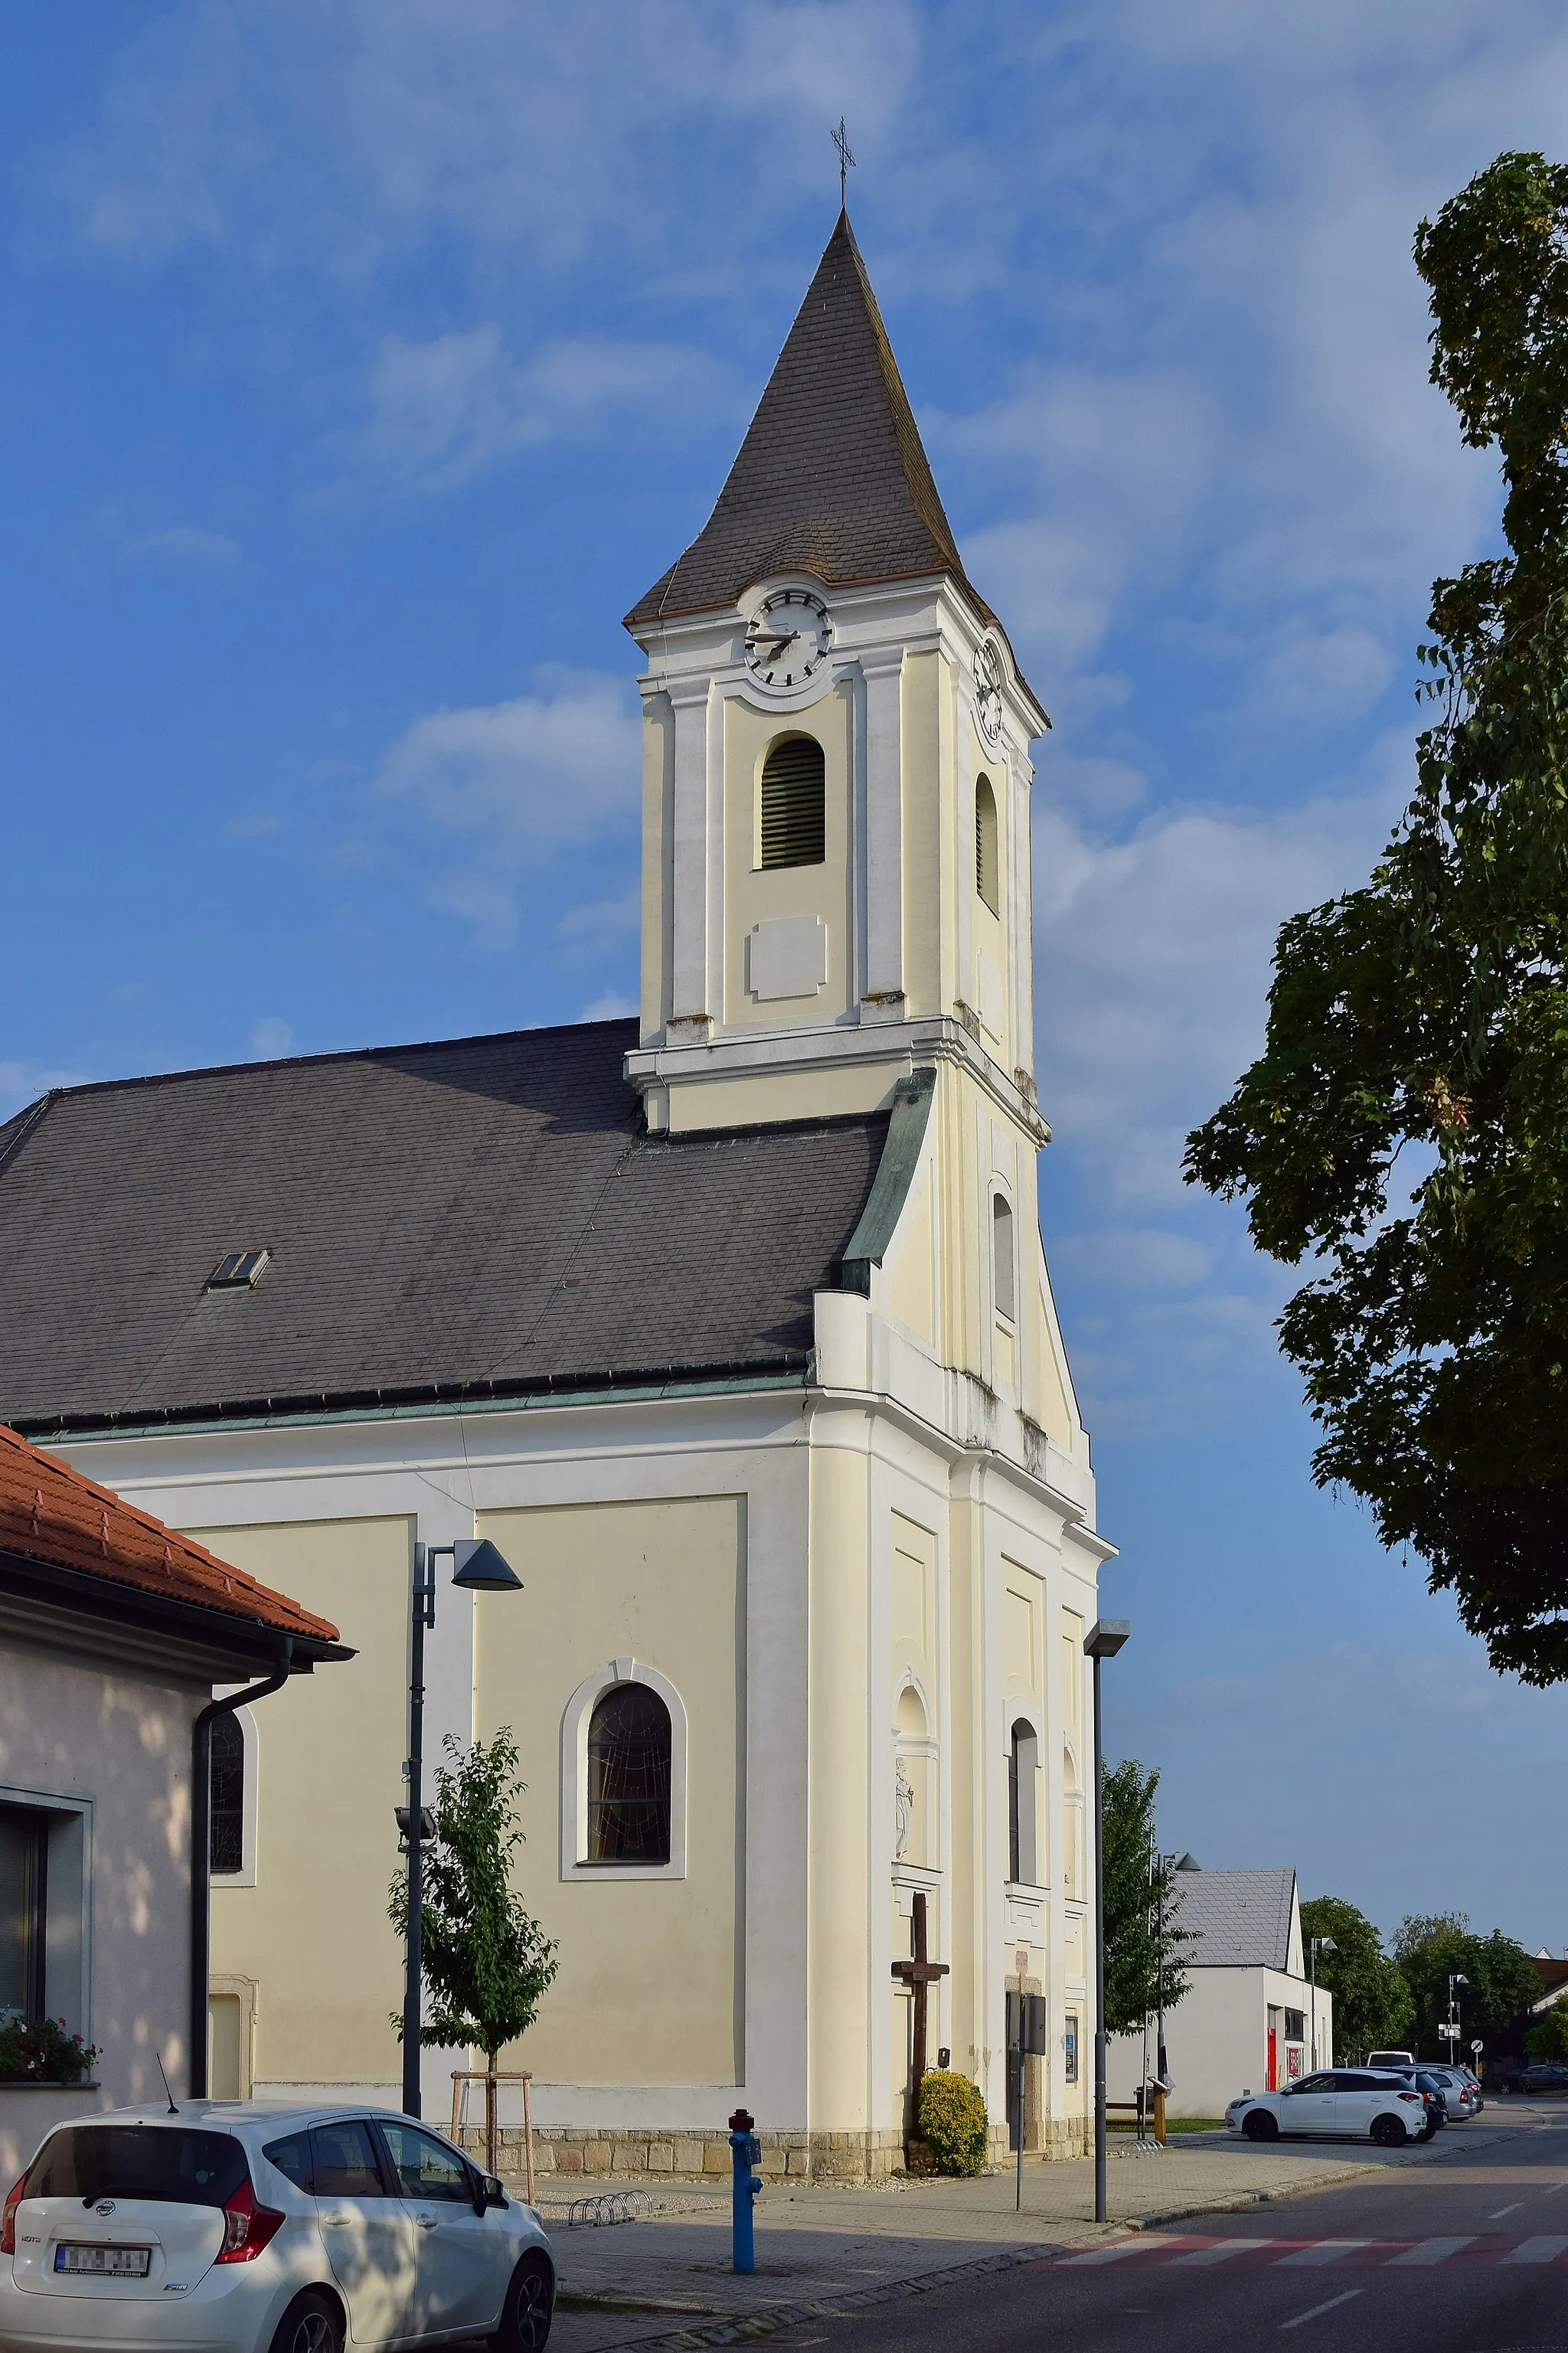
(1391, 2059)
(1545, 2075)
(1447, 2087)
(1352, 2102)
(237, 2226)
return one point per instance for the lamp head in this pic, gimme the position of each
(1105, 1638)
(478, 1567)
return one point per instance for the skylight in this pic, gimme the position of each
(238, 1271)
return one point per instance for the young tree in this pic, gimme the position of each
(1548, 2037)
(1499, 1981)
(1144, 1939)
(487, 1961)
(1430, 1009)
(1372, 2008)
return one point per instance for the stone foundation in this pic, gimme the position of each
(569, 2153)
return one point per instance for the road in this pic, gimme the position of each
(1466, 2255)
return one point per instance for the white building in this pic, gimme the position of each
(1246, 2023)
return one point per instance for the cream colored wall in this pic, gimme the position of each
(663, 1583)
(657, 866)
(313, 1932)
(840, 1864)
(753, 893)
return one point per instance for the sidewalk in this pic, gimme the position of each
(666, 2281)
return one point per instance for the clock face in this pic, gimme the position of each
(788, 638)
(988, 691)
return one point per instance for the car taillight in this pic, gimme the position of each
(8, 2227)
(247, 2227)
(1416, 2099)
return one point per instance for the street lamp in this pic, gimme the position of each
(476, 1567)
(1320, 1945)
(1450, 2031)
(1103, 1641)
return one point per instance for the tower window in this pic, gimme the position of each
(226, 1814)
(629, 1745)
(794, 804)
(1003, 1265)
(1023, 1756)
(985, 867)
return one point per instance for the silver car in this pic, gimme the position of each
(238, 2226)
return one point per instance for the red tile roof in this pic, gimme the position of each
(50, 1512)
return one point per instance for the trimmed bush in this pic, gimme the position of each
(952, 2121)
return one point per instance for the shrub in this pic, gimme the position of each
(952, 2121)
(43, 2053)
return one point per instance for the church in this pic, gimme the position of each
(729, 1326)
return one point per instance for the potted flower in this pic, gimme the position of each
(43, 2052)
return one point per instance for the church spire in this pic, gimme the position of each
(832, 478)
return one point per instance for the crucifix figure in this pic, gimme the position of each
(918, 1973)
(844, 161)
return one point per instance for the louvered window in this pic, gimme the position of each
(986, 878)
(794, 797)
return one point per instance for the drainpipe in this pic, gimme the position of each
(201, 1858)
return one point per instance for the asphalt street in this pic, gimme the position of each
(1466, 2255)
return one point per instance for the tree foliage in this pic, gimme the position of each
(487, 1961)
(1501, 1981)
(1143, 1937)
(1373, 2005)
(1548, 2037)
(1430, 1010)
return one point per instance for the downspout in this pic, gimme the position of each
(201, 1858)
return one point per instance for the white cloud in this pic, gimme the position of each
(517, 785)
(615, 1005)
(184, 543)
(442, 412)
(22, 1082)
(604, 925)
(271, 1039)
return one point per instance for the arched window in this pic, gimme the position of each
(986, 864)
(1003, 1265)
(629, 1746)
(226, 1816)
(794, 804)
(1023, 1756)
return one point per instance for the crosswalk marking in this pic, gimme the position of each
(1327, 2251)
(1222, 2250)
(1113, 2255)
(1536, 2251)
(1433, 2251)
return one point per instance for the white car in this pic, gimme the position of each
(1349, 2103)
(236, 2226)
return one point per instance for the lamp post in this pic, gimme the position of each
(1451, 2031)
(476, 1567)
(1103, 1641)
(1320, 1945)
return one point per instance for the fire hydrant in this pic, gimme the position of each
(745, 2151)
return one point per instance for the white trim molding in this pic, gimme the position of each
(575, 1722)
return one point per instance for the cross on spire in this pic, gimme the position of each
(845, 160)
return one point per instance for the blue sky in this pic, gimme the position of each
(365, 359)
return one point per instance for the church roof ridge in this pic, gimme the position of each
(832, 477)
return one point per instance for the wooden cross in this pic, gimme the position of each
(918, 1973)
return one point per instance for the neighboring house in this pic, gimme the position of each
(1246, 2023)
(113, 1631)
(728, 1324)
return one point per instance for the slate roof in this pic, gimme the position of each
(1241, 1918)
(832, 477)
(485, 1216)
(50, 1512)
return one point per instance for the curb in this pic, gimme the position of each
(748, 2326)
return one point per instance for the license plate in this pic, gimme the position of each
(104, 2262)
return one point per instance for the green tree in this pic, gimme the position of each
(1548, 2037)
(1372, 2008)
(1430, 1947)
(487, 1961)
(1143, 1937)
(1430, 1010)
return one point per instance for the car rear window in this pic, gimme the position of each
(170, 2164)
